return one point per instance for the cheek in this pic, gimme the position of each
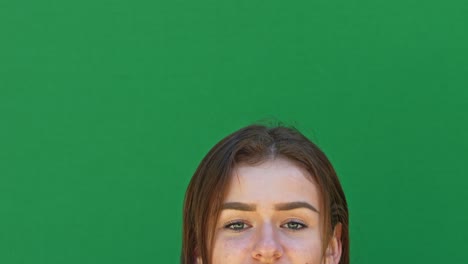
(231, 250)
(307, 250)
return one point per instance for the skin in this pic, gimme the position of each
(272, 215)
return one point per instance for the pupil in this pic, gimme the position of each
(238, 226)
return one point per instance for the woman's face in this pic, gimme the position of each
(270, 215)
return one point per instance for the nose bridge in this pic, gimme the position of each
(267, 233)
(267, 245)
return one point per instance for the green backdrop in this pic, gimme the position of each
(107, 107)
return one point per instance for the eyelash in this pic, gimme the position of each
(302, 225)
(229, 225)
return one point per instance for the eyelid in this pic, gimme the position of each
(237, 221)
(234, 222)
(295, 220)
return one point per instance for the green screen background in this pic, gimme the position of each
(107, 107)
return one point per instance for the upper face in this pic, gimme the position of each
(270, 215)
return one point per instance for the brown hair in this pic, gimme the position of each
(253, 144)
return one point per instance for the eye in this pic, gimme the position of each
(236, 226)
(294, 225)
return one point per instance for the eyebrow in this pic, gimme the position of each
(239, 206)
(279, 207)
(295, 205)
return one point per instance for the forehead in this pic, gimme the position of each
(273, 181)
